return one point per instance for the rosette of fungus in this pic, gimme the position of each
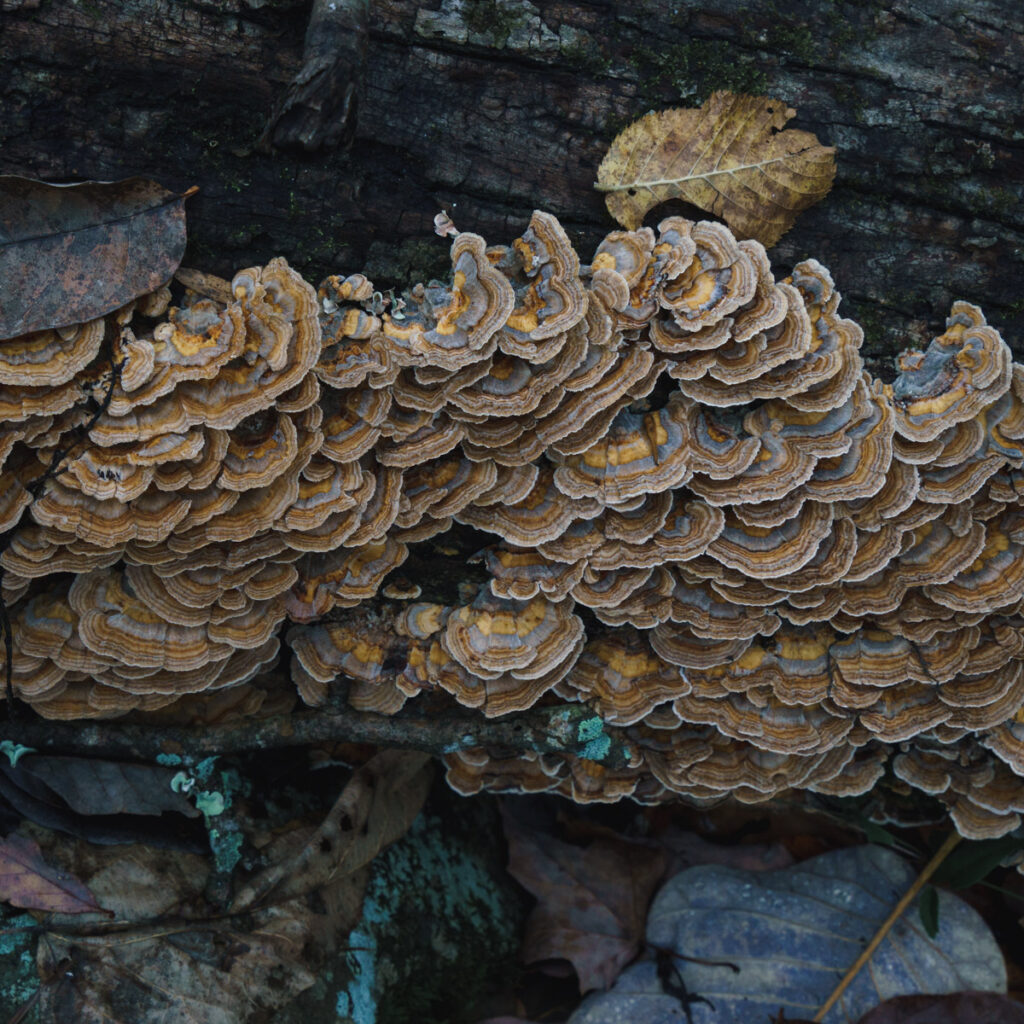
(507, 653)
(544, 272)
(448, 326)
(787, 567)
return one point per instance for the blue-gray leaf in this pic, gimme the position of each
(635, 997)
(794, 933)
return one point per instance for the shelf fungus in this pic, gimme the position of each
(755, 565)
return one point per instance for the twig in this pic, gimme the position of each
(554, 729)
(929, 869)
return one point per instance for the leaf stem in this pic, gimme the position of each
(693, 177)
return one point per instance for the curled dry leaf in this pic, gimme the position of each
(375, 808)
(91, 786)
(111, 241)
(729, 157)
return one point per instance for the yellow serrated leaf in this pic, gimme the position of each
(729, 157)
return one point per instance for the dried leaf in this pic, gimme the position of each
(376, 807)
(794, 933)
(216, 970)
(959, 1008)
(26, 880)
(70, 253)
(729, 157)
(200, 972)
(90, 786)
(592, 901)
(103, 802)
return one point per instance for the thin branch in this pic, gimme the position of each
(555, 729)
(929, 869)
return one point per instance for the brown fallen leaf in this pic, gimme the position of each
(102, 801)
(70, 253)
(957, 1008)
(592, 902)
(376, 807)
(27, 881)
(729, 157)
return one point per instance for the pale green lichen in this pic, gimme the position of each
(435, 924)
(597, 743)
(225, 841)
(14, 751)
(19, 977)
(226, 848)
(211, 803)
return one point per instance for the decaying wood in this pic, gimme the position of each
(319, 108)
(489, 108)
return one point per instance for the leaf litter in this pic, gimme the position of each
(169, 956)
(592, 902)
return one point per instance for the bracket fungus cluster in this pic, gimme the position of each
(761, 568)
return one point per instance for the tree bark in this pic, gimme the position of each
(490, 108)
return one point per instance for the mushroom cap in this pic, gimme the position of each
(443, 487)
(995, 577)
(543, 270)
(767, 553)
(793, 664)
(525, 639)
(544, 514)
(767, 723)
(708, 614)
(115, 622)
(640, 454)
(965, 368)
(623, 678)
(342, 577)
(522, 573)
(512, 386)
(719, 278)
(50, 358)
(470, 771)
(688, 530)
(351, 422)
(448, 325)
